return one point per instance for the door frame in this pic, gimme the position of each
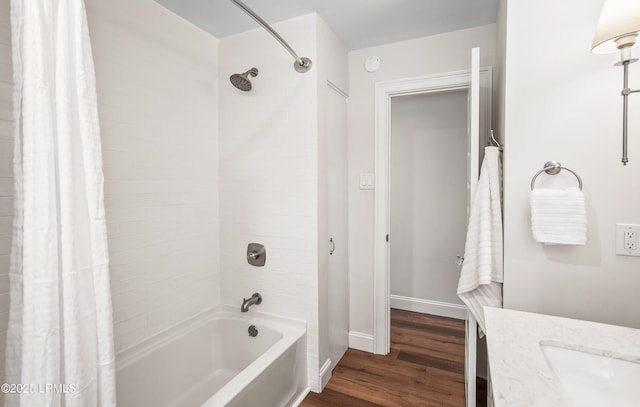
(385, 91)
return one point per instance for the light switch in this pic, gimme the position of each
(366, 181)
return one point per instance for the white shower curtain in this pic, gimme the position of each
(60, 336)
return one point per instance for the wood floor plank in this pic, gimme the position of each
(434, 372)
(436, 331)
(387, 391)
(436, 387)
(481, 392)
(441, 334)
(382, 365)
(415, 374)
(456, 356)
(424, 368)
(408, 337)
(333, 398)
(430, 361)
(401, 316)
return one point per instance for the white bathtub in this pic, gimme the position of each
(211, 360)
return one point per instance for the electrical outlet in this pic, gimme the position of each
(627, 239)
(630, 240)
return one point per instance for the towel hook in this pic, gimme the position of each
(492, 141)
(553, 168)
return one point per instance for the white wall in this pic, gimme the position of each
(157, 95)
(428, 194)
(422, 56)
(6, 172)
(563, 103)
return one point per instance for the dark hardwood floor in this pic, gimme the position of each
(424, 368)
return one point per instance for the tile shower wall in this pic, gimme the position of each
(268, 175)
(6, 172)
(157, 94)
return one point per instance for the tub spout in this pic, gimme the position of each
(246, 303)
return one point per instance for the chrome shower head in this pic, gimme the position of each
(241, 81)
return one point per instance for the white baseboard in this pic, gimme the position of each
(360, 341)
(300, 397)
(444, 309)
(325, 373)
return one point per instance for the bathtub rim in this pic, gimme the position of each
(290, 327)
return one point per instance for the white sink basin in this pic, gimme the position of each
(588, 379)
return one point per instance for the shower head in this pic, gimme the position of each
(241, 81)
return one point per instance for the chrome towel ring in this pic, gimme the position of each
(553, 168)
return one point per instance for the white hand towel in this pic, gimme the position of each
(559, 216)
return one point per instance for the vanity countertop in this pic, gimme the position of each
(520, 373)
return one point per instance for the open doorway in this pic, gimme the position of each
(476, 83)
(428, 222)
(428, 201)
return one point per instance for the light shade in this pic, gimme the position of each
(619, 19)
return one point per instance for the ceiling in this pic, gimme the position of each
(359, 23)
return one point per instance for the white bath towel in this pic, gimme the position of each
(480, 281)
(559, 216)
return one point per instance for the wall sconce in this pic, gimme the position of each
(618, 30)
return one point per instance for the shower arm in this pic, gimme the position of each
(302, 64)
